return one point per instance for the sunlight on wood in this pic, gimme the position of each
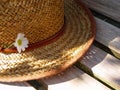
(108, 68)
(115, 44)
(16, 86)
(104, 66)
(73, 79)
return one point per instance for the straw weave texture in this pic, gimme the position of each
(37, 19)
(55, 57)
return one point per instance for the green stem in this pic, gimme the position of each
(10, 45)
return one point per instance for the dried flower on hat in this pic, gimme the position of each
(21, 42)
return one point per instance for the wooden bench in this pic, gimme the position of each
(99, 69)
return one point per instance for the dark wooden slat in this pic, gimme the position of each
(110, 8)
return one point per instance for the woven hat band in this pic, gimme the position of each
(37, 19)
(38, 44)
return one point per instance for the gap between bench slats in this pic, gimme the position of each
(72, 79)
(108, 35)
(103, 66)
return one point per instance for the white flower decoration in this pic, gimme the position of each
(21, 42)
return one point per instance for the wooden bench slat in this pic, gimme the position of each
(73, 79)
(16, 86)
(108, 35)
(104, 66)
(110, 8)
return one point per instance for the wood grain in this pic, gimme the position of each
(73, 79)
(104, 66)
(108, 35)
(110, 8)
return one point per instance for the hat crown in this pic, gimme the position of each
(37, 19)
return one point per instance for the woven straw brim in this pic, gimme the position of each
(57, 56)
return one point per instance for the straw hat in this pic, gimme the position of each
(40, 38)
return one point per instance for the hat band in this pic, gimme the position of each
(37, 44)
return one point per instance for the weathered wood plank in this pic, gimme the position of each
(110, 8)
(108, 35)
(104, 66)
(73, 79)
(16, 86)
